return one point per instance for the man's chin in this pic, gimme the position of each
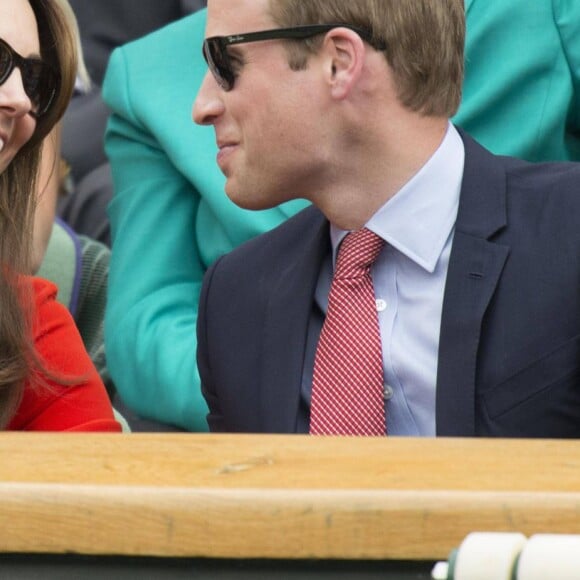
(248, 199)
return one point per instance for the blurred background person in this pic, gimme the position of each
(521, 93)
(103, 25)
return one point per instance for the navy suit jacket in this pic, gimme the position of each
(509, 351)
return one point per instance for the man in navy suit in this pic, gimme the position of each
(478, 285)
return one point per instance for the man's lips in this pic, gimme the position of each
(222, 144)
(226, 148)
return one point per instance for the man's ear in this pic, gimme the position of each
(345, 55)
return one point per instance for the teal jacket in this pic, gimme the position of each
(170, 218)
(521, 94)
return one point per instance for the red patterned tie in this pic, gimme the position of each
(347, 386)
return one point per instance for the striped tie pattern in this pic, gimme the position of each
(347, 386)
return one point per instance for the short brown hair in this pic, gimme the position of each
(424, 43)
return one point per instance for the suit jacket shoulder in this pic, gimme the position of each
(253, 317)
(278, 246)
(509, 350)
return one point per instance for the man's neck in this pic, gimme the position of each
(365, 182)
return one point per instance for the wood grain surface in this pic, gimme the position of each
(254, 496)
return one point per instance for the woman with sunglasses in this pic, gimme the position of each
(47, 381)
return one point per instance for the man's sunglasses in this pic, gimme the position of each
(215, 48)
(39, 79)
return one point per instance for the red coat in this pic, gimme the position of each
(80, 407)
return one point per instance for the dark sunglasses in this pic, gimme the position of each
(215, 48)
(39, 79)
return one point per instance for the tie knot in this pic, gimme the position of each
(357, 253)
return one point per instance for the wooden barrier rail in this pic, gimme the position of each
(252, 496)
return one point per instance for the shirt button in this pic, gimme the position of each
(381, 305)
(387, 392)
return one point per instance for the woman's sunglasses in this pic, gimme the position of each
(39, 79)
(215, 48)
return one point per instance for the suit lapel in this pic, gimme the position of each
(475, 267)
(285, 331)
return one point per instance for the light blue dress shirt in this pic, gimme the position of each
(409, 279)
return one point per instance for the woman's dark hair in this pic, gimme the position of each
(19, 363)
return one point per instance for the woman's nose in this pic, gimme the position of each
(13, 98)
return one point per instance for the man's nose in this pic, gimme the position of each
(208, 104)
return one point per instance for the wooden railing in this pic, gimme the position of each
(250, 496)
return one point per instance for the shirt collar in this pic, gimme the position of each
(419, 218)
